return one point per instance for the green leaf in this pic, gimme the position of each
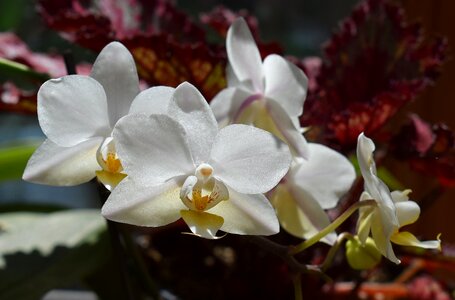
(13, 160)
(11, 13)
(20, 74)
(39, 252)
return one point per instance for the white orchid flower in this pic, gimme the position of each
(310, 187)
(393, 211)
(77, 114)
(180, 165)
(268, 94)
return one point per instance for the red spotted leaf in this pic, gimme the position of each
(373, 65)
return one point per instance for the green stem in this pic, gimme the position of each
(331, 255)
(296, 280)
(140, 264)
(331, 227)
(13, 68)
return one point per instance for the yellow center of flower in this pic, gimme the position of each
(111, 173)
(200, 202)
(113, 164)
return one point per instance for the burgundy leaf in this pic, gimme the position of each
(371, 67)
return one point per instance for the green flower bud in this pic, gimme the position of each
(362, 257)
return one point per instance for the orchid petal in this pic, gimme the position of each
(231, 78)
(152, 148)
(247, 214)
(381, 234)
(365, 149)
(407, 212)
(244, 55)
(202, 224)
(72, 109)
(248, 159)
(285, 83)
(324, 166)
(190, 109)
(408, 239)
(400, 196)
(226, 104)
(286, 130)
(301, 217)
(136, 204)
(116, 70)
(63, 166)
(154, 100)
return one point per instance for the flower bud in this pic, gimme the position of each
(362, 257)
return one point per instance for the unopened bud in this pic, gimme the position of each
(362, 257)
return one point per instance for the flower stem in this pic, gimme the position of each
(131, 247)
(331, 254)
(331, 227)
(117, 249)
(296, 280)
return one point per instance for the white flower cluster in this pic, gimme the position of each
(165, 154)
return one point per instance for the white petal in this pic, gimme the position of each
(154, 100)
(299, 215)
(226, 104)
(325, 176)
(191, 110)
(400, 196)
(116, 70)
(152, 149)
(72, 109)
(202, 224)
(380, 192)
(365, 149)
(247, 214)
(407, 212)
(285, 125)
(135, 204)
(381, 233)
(285, 83)
(408, 239)
(248, 159)
(63, 166)
(231, 78)
(243, 54)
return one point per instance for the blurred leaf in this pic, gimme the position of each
(13, 160)
(11, 14)
(39, 252)
(20, 74)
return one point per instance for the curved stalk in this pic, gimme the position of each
(331, 227)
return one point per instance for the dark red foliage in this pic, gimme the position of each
(15, 99)
(430, 149)
(167, 45)
(220, 18)
(371, 67)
